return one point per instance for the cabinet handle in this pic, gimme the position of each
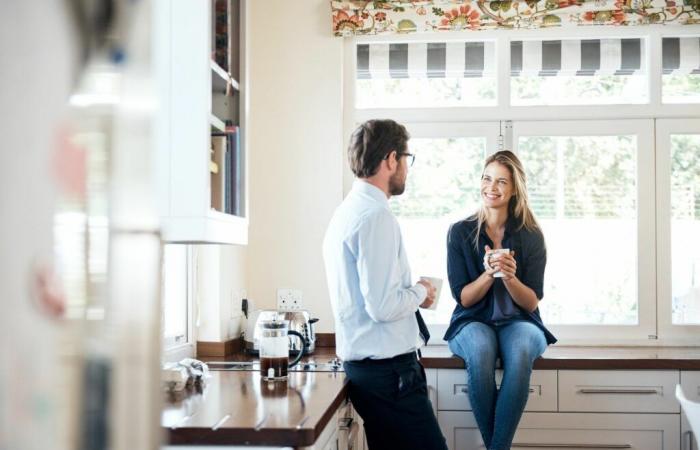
(465, 390)
(599, 446)
(690, 439)
(618, 391)
(347, 433)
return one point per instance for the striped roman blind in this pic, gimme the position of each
(681, 56)
(426, 60)
(573, 57)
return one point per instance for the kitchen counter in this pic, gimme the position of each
(239, 408)
(588, 358)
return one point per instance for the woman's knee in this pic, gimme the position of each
(523, 345)
(477, 340)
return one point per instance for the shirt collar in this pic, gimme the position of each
(370, 190)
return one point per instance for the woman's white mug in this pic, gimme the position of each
(437, 283)
(497, 251)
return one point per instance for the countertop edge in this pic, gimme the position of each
(454, 362)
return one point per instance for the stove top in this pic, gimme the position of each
(333, 365)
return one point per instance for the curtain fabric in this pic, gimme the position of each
(569, 57)
(356, 17)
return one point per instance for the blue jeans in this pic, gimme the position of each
(518, 343)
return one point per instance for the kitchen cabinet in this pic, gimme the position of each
(195, 98)
(570, 430)
(344, 432)
(618, 391)
(453, 392)
(690, 382)
(569, 408)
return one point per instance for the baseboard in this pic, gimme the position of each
(325, 340)
(220, 348)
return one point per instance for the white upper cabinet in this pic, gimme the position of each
(201, 177)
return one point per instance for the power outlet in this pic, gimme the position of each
(289, 300)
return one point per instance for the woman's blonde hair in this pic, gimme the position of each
(518, 207)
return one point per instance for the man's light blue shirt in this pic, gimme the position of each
(369, 279)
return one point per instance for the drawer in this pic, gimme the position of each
(453, 390)
(571, 431)
(618, 391)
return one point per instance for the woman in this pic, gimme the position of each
(497, 296)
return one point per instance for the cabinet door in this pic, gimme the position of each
(546, 431)
(431, 380)
(460, 430)
(631, 391)
(598, 431)
(690, 381)
(453, 390)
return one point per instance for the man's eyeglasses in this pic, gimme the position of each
(411, 157)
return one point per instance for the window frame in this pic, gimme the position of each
(646, 279)
(173, 349)
(655, 328)
(684, 334)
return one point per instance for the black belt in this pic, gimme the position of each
(405, 357)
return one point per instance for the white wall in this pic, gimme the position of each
(295, 147)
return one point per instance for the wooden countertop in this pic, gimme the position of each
(588, 358)
(239, 408)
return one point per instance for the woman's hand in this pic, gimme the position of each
(489, 269)
(505, 263)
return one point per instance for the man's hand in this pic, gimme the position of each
(430, 298)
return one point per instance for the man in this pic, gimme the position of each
(374, 304)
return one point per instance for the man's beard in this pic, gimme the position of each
(397, 184)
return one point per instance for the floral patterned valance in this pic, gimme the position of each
(356, 17)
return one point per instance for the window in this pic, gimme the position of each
(591, 188)
(176, 294)
(425, 74)
(611, 166)
(578, 72)
(678, 144)
(585, 186)
(443, 187)
(685, 226)
(681, 69)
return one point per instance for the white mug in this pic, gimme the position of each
(437, 282)
(497, 251)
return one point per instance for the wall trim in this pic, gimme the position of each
(219, 348)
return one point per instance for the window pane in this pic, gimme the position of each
(424, 93)
(175, 293)
(578, 72)
(681, 69)
(442, 187)
(685, 228)
(681, 88)
(420, 74)
(573, 90)
(583, 190)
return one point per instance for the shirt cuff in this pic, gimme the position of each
(421, 291)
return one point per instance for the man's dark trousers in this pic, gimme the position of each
(391, 396)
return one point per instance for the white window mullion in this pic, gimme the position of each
(503, 76)
(653, 58)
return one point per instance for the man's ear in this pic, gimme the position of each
(392, 161)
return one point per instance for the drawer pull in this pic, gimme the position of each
(618, 391)
(465, 390)
(599, 446)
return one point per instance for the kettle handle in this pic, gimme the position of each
(301, 348)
